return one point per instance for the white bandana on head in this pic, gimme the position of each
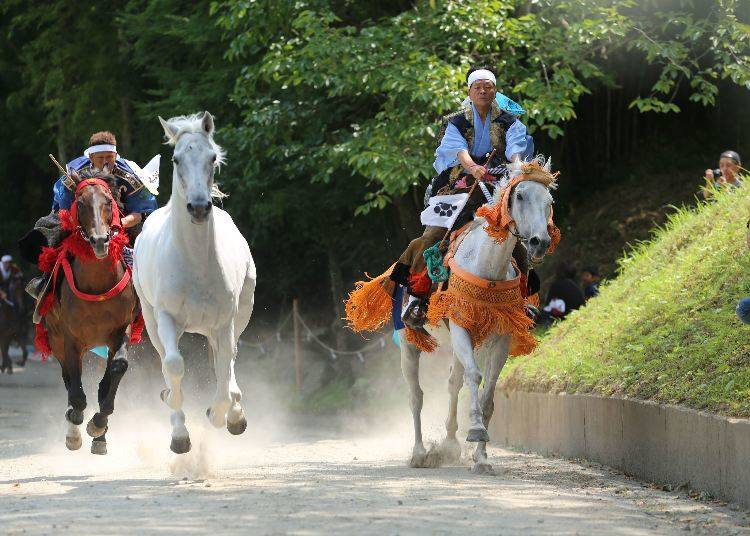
(481, 74)
(102, 148)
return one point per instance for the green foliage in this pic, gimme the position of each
(402, 72)
(665, 329)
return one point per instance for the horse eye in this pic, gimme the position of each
(213, 159)
(519, 197)
(175, 161)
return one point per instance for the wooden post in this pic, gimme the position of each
(297, 358)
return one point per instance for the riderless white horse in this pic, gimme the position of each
(481, 255)
(194, 273)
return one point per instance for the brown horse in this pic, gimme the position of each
(93, 301)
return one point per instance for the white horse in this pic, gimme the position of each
(193, 272)
(480, 255)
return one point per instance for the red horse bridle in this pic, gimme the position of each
(115, 227)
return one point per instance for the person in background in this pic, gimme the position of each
(743, 307)
(565, 289)
(590, 281)
(726, 175)
(9, 272)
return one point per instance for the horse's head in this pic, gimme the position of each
(530, 206)
(524, 208)
(96, 208)
(196, 157)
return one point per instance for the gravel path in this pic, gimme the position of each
(299, 476)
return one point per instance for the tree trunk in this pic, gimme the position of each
(126, 135)
(337, 296)
(62, 154)
(408, 216)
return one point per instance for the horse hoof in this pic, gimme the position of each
(483, 469)
(236, 428)
(74, 416)
(99, 447)
(451, 450)
(477, 435)
(93, 430)
(180, 445)
(73, 443)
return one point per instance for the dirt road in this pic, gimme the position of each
(297, 475)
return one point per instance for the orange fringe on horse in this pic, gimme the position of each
(484, 307)
(369, 307)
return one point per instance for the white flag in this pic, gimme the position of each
(149, 174)
(443, 210)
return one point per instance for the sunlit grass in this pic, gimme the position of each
(665, 328)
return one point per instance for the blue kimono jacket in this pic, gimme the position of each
(135, 200)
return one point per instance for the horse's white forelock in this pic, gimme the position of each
(515, 167)
(194, 124)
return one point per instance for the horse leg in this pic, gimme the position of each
(71, 372)
(410, 370)
(451, 448)
(236, 421)
(7, 363)
(223, 347)
(23, 342)
(496, 357)
(173, 369)
(117, 364)
(462, 347)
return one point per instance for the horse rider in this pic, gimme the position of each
(9, 273)
(467, 138)
(138, 200)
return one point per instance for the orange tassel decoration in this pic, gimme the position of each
(423, 341)
(369, 305)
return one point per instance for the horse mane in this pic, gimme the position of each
(185, 124)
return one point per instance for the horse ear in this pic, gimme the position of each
(208, 123)
(169, 130)
(548, 165)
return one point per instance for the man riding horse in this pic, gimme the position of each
(136, 194)
(469, 137)
(10, 274)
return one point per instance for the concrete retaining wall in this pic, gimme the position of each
(654, 442)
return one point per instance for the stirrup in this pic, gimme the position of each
(35, 286)
(415, 313)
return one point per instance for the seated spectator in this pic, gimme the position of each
(564, 294)
(743, 308)
(726, 175)
(590, 281)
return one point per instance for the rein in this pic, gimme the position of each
(111, 293)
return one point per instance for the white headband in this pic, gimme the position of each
(103, 148)
(481, 74)
(6, 258)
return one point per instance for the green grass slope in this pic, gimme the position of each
(665, 329)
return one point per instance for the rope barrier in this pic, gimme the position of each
(265, 345)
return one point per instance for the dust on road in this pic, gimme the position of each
(299, 475)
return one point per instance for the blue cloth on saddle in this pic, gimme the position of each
(142, 201)
(397, 301)
(516, 142)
